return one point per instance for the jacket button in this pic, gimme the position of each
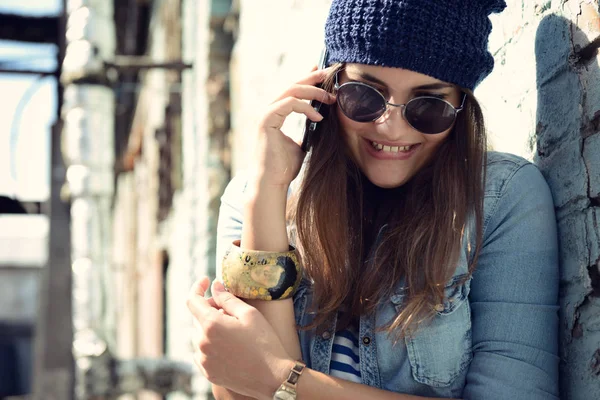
(366, 340)
(439, 307)
(326, 335)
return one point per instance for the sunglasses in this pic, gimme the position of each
(427, 114)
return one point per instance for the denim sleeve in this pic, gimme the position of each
(229, 225)
(514, 295)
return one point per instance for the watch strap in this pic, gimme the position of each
(289, 385)
(295, 373)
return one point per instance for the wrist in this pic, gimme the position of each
(265, 195)
(265, 225)
(263, 182)
(279, 375)
(288, 389)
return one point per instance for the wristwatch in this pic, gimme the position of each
(287, 390)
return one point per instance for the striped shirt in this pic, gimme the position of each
(344, 355)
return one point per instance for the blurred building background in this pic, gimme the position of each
(28, 110)
(155, 111)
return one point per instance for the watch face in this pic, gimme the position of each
(282, 394)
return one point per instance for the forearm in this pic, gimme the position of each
(264, 225)
(265, 229)
(315, 386)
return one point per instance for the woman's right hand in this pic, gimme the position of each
(279, 157)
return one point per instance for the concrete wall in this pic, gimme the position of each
(540, 102)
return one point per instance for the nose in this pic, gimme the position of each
(392, 125)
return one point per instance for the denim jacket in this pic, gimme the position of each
(495, 336)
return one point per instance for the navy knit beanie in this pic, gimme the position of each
(445, 39)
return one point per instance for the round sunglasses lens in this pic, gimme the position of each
(429, 114)
(360, 103)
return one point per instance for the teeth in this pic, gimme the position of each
(392, 149)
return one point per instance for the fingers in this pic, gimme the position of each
(307, 92)
(198, 336)
(202, 308)
(200, 286)
(228, 302)
(280, 110)
(292, 100)
(208, 316)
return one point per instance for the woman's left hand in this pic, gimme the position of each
(235, 347)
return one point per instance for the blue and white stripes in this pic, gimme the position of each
(345, 355)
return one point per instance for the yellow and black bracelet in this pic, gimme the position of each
(262, 275)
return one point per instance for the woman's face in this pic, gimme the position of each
(391, 166)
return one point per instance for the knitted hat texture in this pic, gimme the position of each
(445, 39)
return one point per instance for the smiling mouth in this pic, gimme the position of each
(392, 149)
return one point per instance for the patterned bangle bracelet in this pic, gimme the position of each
(263, 275)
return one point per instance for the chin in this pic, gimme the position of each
(385, 182)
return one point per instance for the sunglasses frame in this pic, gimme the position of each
(337, 87)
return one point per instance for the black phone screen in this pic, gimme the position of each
(310, 127)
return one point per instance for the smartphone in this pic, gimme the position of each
(310, 127)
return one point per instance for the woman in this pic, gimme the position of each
(429, 265)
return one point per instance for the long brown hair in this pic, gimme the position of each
(425, 224)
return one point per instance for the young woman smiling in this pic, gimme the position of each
(419, 264)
